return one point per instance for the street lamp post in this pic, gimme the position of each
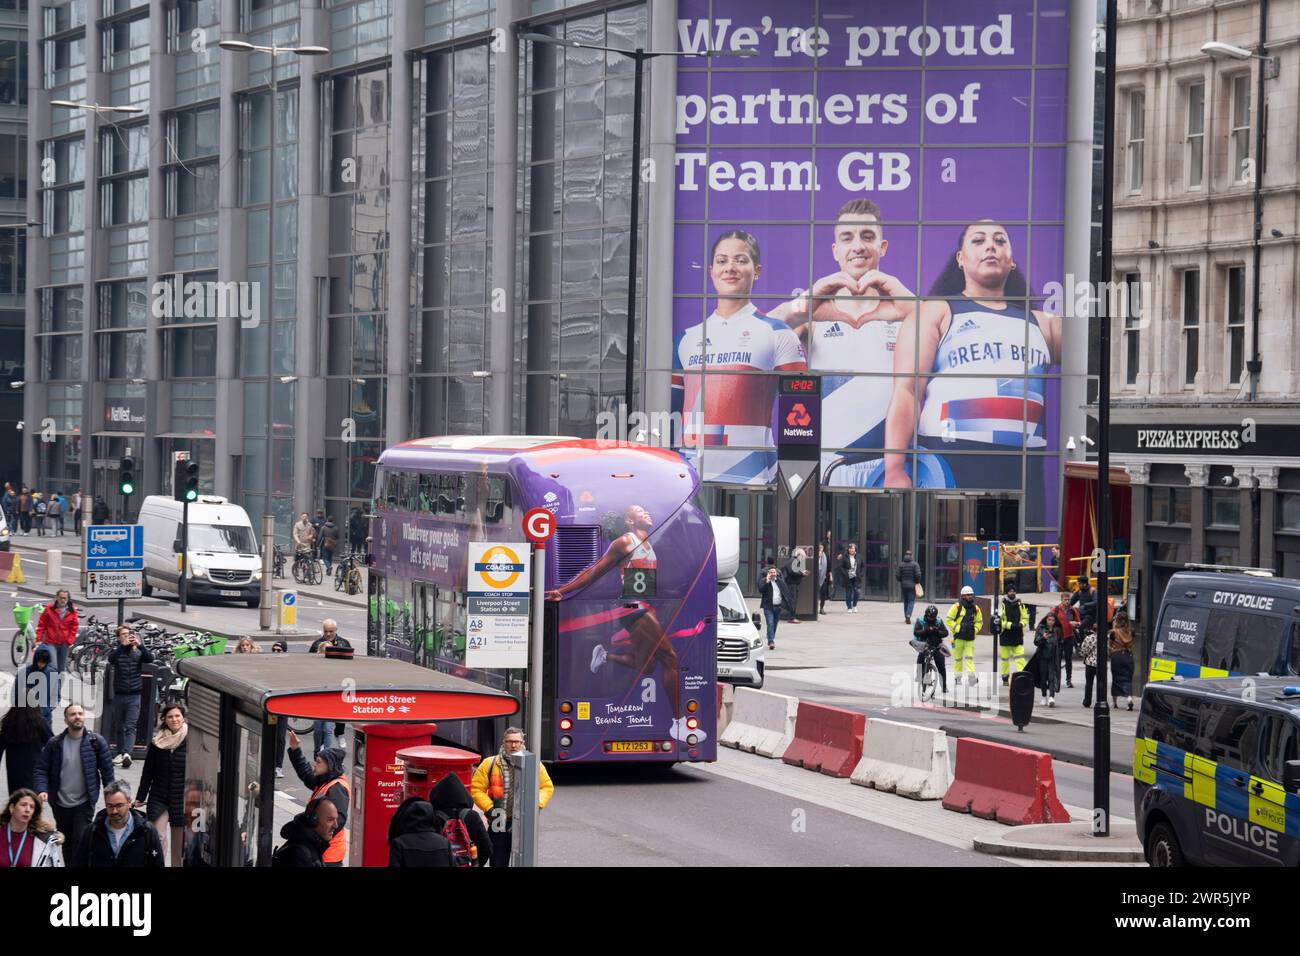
(1269, 67)
(1101, 713)
(240, 46)
(98, 109)
(639, 56)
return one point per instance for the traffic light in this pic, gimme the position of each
(126, 476)
(185, 481)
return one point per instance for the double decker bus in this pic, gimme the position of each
(629, 654)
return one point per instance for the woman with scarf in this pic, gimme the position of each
(29, 839)
(494, 793)
(162, 782)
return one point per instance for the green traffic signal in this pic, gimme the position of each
(191, 494)
(126, 476)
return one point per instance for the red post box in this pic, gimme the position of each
(425, 766)
(377, 778)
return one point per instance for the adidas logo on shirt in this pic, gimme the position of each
(968, 326)
(834, 331)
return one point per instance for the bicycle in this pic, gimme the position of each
(280, 558)
(927, 673)
(25, 637)
(307, 569)
(348, 575)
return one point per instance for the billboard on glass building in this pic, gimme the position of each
(875, 195)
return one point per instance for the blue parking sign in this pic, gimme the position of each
(114, 547)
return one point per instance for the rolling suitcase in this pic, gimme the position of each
(1022, 698)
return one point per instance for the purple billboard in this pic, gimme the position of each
(875, 194)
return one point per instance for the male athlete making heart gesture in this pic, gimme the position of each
(849, 321)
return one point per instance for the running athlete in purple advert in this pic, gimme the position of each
(640, 643)
(969, 345)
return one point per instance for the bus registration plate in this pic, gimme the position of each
(633, 747)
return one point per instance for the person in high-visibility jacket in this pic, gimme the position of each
(964, 620)
(326, 779)
(493, 793)
(1014, 623)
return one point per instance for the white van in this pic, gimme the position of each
(741, 646)
(223, 559)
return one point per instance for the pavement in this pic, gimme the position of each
(863, 662)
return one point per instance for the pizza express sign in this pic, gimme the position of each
(1244, 438)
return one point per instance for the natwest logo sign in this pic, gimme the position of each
(798, 417)
(798, 424)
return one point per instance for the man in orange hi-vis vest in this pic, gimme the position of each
(326, 779)
(493, 794)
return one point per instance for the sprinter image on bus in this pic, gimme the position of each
(1221, 624)
(629, 669)
(1216, 772)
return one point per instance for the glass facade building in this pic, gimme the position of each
(284, 263)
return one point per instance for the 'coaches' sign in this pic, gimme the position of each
(1230, 439)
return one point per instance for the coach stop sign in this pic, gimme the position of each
(496, 604)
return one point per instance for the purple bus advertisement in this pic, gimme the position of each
(629, 653)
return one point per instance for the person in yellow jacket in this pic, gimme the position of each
(964, 620)
(1014, 625)
(493, 793)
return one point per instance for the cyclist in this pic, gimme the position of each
(304, 535)
(931, 630)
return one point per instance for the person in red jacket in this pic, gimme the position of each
(1069, 618)
(57, 628)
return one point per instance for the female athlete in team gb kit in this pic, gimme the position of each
(640, 642)
(734, 411)
(967, 328)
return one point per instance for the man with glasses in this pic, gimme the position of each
(120, 837)
(493, 791)
(324, 732)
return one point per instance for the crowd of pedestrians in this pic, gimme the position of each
(28, 511)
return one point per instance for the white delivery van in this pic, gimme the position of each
(741, 645)
(223, 560)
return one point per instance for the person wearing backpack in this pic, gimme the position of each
(326, 779)
(414, 839)
(39, 508)
(461, 822)
(493, 793)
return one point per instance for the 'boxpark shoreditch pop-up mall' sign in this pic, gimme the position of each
(876, 195)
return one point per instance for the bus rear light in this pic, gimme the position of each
(693, 753)
(692, 723)
(691, 740)
(667, 745)
(566, 741)
(563, 755)
(692, 706)
(566, 708)
(566, 724)
(623, 476)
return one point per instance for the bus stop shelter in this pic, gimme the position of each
(235, 705)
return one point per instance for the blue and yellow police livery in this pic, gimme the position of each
(1216, 772)
(1214, 624)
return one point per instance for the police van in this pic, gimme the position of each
(1218, 624)
(1216, 772)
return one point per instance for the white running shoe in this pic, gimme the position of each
(598, 655)
(1051, 701)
